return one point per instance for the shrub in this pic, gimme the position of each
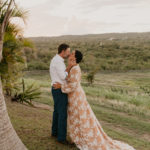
(27, 94)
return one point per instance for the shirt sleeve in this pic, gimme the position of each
(61, 71)
(72, 81)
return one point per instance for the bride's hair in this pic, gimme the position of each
(78, 56)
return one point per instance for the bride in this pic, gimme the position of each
(84, 128)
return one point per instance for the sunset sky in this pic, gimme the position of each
(63, 17)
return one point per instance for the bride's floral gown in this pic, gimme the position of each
(84, 128)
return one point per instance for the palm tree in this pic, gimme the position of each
(9, 140)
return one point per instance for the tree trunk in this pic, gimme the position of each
(1, 49)
(9, 140)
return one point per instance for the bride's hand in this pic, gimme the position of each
(72, 62)
(57, 85)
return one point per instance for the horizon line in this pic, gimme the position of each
(85, 34)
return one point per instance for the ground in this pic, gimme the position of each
(122, 108)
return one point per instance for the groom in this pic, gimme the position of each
(58, 73)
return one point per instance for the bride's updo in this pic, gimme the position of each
(78, 56)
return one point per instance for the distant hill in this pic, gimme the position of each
(106, 36)
(111, 51)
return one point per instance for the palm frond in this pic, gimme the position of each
(15, 29)
(3, 4)
(20, 13)
(27, 94)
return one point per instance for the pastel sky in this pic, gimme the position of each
(65, 17)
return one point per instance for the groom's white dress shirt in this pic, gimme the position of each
(57, 70)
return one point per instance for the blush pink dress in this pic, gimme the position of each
(84, 128)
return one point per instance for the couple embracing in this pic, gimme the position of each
(72, 111)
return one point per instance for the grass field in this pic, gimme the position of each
(119, 103)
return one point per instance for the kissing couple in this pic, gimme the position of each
(72, 111)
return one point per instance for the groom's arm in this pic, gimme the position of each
(61, 72)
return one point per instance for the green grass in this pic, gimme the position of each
(132, 97)
(122, 108)
(34, 127)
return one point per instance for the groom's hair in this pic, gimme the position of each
(62, 47)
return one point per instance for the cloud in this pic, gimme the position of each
(49, 17)
(80, 26)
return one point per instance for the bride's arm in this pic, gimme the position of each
(72, 81)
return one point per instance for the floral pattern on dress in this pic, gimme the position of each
(84, 128)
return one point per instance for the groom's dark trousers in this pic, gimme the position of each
(59, 123)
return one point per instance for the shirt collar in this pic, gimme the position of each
(59, 57)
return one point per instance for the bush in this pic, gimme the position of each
(27, 94)
(36, 65)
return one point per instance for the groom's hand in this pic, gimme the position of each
(56, 85)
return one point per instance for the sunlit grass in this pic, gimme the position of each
(117, 100)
